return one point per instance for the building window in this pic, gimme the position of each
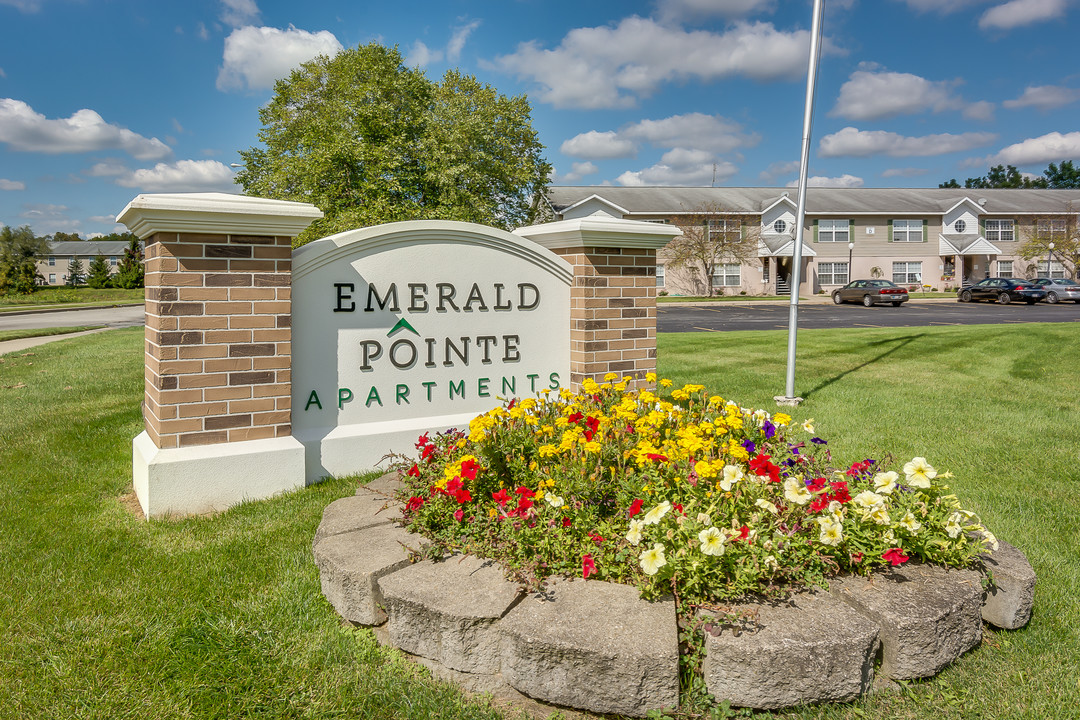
(833, 273)
(907, 230)
(999, 230)
(52, 261)
(724, 229)
(1005, 268)
(727, 275)
(832, 231)
(764, 270)
(779, 227)
(659, 276)
(959, 226)
(112, 260)
(1057, 270)
(1051, 229)
(52, 278)
(906, 273)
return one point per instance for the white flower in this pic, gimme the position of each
(952, 525)
(832, 531)
(910, 523)
(919, 473)
(989, 539)
(880, 515)
(795, 491)
(657, 513)
(766, 505)
(634, 535)
(653, 560)
(885, 482)
(760, 415)
(704, 519)
(808, 425)
(868, 499)
(732, 475)
(554, 500)
(712, 541)
(771, 563)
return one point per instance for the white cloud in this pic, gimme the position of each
(904, 172)
(1052, 147)
(598, 145)
(457, 40)
(604, 67)
(85, 131)
(12, 184)
(852, 142)
(877, 95)
(110, 168)
(679, 10)
(48, 218)
(844, 181)
(238, 13)
(1016, 13)
(420, 55)
(776, 169)
(257, 56)
(578, 171)
(943, 7)
(202, 32)
(27, 6)
(181, 176)
(981, 110)
(1044, 97)
(691, 174)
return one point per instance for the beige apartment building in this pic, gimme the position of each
(932, 238)
(54, 267)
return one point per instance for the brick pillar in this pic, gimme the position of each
(217, 350)
(218, 310)
(613, 298)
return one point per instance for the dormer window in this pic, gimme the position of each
(779, 227)
(960, 226)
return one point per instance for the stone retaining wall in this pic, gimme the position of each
(596, 646)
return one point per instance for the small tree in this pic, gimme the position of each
(1062, 230)
(75, 272)
(19, 250)
(99, 272)
(130, 273)
(710, 237)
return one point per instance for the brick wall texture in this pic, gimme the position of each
(218, 355)
(612, 312)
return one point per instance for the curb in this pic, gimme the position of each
(52, 309)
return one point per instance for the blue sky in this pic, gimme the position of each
(101, 100)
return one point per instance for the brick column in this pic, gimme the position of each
(613, 298)
(217, 350)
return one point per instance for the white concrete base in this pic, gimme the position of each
(350, 449)
(208, 478)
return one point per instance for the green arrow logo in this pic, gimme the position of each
(402, 324)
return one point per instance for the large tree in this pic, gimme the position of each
(710, 237)
(368, 140)
(1063, 230)
(1055, 177)
(19, 251)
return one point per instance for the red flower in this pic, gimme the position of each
(566, 522)
(422, 441)
(414, 503)
(593, 424)
(512, 404)
(469, 469)
(414, 471)
(501, 497)
(635, 507)
(459, 514)
(427, 452)
(523, 505)
(816, 485)
(895, 556)
(595, 537)
(678, 507)
(744, 532)
(462, 496)
(840, 492)
(657, 457)
(576, 417)
(761, 466)
(588, 567)
(858, 467)
(819, 503)
(525, 492)
(856, 557)
(453, 486)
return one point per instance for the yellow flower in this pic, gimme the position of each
(808, 425)
(919, 473)
(657, 513)
(633, 536)
(766, 505)
(712, 541)
(781, 419)
(611, 376)
(885, 482)
(652, 560)
(952, 526)
(665, 382)
(732, 475)
(650, 377)
(795, 491)
(832, 531)
(910, 523)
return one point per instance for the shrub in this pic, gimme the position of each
(698, 497)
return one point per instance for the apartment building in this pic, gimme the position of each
(54, 267)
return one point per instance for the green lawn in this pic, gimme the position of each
(70, 297)
(105, 615)
(42, 332)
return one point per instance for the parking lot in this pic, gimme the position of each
(817, 314)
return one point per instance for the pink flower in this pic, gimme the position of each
(588, 567)
(459, 514)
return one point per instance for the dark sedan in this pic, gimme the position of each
(1002, 290)
(870, 292)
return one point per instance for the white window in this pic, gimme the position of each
(659, 276)
(1057, 270)
(832, 231)
(724, 229)
(999, 231)
(1051, 229)
(112, 261)
(727, 275)
(1005, 268)
(905, 273)
(779, 227)
(52, 278)
(959, 226)
(52, 261)
(833, 273)
(907, 230)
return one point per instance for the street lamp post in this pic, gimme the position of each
(1049, 259)
(850, 247)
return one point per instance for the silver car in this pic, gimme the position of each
(1058, 289)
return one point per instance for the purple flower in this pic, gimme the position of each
(769, 429)
(749, 445)
(818, 441)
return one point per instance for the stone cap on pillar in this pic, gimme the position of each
(217, 214)
(600, 230)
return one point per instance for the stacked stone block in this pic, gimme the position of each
(218, 356)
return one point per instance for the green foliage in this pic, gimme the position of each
(1054, 177)
(368, 141)
(76, 275)
(130, 271)
(99, 272)
(19, 250)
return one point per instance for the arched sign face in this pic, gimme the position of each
(412, 326)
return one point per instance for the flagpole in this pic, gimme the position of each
(789, 397)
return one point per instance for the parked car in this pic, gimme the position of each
(870, 292)
(1003, 290)
(1059, 289)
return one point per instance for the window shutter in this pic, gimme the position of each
(982, 226)
(815, 229)
(925, 230)
(851, 231)
(890, 230)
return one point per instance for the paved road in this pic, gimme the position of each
(110, 316)
(816, 315)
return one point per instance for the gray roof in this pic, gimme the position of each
(819, 201)
(88, 248)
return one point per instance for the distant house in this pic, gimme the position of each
(935, 237)
(54, 266)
